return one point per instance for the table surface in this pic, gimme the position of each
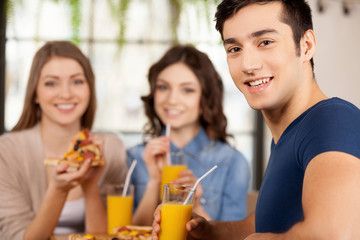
(66, 236)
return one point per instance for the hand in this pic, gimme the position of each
(188, 178)
(198, 228)
(99, 142)
(155, 156)
(65, 177)
(156, 223)
(93, 176)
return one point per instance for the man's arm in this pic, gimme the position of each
(331, 200)
(198, 228)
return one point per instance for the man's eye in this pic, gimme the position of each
(234, 49)
(265, 42)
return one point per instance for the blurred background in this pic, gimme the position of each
(123, 38)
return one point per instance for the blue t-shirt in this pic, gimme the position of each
(330, 125)
(224, 190)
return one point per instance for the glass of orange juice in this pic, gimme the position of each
(119, 206)
(174, 213)
(171, 172)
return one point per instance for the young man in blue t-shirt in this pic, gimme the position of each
(311, 188)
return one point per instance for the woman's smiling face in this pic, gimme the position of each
(62, 91)
(177, 97)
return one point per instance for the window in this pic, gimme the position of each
(120, 71)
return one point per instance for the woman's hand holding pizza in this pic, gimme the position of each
(92, 177)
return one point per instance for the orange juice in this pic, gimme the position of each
(174, 216)
(119, 210)
(170, 173)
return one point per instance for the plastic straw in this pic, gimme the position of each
(127, 180)
(197, 183)
(167, 133)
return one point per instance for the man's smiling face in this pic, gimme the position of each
(261, 55)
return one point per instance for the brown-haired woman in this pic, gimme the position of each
(38, 200)
(187, 93)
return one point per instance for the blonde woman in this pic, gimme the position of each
(38, 200)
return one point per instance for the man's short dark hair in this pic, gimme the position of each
(296, 13)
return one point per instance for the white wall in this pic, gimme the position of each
(337, 63)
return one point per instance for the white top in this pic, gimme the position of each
(72, 217)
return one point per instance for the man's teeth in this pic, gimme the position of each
(65, 107)
(259, 82)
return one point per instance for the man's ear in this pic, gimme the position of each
(308, 45)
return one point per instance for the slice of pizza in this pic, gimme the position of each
(122, 233)
(81, 148)
(75, 236)
(134, 232)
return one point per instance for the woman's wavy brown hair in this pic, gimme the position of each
(212, 117)
(31, 113)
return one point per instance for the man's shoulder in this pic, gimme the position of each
(336, 105)
(331, 111)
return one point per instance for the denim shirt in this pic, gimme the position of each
(224, 190)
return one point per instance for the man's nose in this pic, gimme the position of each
(250, 61)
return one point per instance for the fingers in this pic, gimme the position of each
(99, 142)
(198, 227)
(186, 177)
(154, 156)
(66, 174)
(156, 223)
(84, 168)
(157, 146)
(81, 172)
(61, 168)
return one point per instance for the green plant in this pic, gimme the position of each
(178, 6)
(75, 8)
(9, 9)
(175, 7)
(118, 10)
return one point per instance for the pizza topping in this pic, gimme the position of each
(81, 148)
(122, 233)
(134, 232)
(89, 237)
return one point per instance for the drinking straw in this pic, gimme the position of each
(197, 183)
(167, 133)
(127, 180)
